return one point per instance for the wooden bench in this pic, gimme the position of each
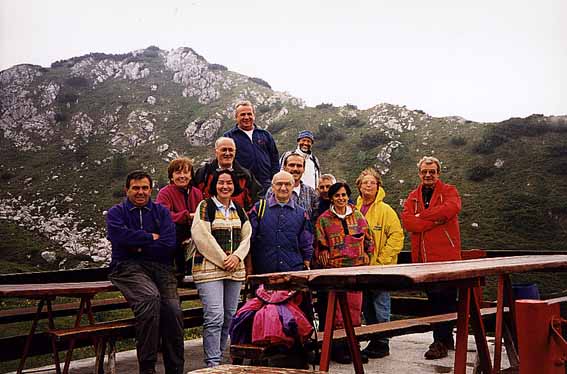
(104, 335)
(258, 354)
(239, 369)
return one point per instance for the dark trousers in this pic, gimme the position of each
(443, 300)
(151, 291)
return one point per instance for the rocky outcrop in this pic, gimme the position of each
(21, 121)
(199, 132)
(192, 71)
(138, 130)
(44, 218)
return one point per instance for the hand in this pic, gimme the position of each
(307, 264)
(155, 236)
(231, 262)
(324, 258)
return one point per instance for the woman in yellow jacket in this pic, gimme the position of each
(388, 235)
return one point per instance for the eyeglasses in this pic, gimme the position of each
(426, 172)
(372, 183)
(281, 184)
(221, 169)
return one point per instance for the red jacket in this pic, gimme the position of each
(430, 240)
(180, 203)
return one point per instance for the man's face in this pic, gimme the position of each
(139, 192)
(323, 188)
(225, 153)
(295, 166)
(428, 174)
(282, 187)
(245, 118)
(305, 144)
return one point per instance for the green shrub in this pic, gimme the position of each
(77, 82)
(324, 106)
(489, 143)
(327, 136)
(479, 173)
(217, 67)
(260, 81)
(457, 141)
(373, 139)
(354, 122)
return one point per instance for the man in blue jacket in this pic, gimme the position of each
(255, 148)
(282, 237)
(142, 235)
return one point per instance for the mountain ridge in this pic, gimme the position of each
(69, 133)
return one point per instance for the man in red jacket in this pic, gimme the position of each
(431, 216)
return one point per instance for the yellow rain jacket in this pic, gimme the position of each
(386, 228)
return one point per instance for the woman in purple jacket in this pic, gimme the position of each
(181, 199)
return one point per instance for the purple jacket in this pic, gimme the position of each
(130, 229)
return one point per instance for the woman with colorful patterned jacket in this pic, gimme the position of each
(343, 239)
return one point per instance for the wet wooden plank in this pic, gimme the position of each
(407, 276)
(240, 369)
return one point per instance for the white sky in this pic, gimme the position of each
(485, 60)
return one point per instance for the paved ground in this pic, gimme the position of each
(406, 357)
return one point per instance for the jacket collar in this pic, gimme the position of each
(128, 204)
(272, 201)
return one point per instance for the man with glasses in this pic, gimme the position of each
(282, 236)
(430, 214)
(225, 151)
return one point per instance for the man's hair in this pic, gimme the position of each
(137, 175)
(369, 171)
(215, 181)
(179, 164)
(222, 139)
(336, 187)
(329, 177)
(243, 103)
(283, 173)
(428, 160)
(293, 154)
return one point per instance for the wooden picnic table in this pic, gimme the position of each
(45, 293)
(465, 275)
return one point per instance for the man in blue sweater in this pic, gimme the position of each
(142, 235)
(255, 148)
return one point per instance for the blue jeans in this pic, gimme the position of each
(376, 308)
(220, 300)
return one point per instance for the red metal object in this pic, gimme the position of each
(542, 347)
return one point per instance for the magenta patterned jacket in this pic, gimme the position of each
(348, 240)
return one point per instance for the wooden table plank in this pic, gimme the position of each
(399, 277)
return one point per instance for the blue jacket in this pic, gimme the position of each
(260, 156)
(281, 239)
(130, 229)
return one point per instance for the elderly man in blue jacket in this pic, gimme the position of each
(255, 148)
(142, 235)
(282, 236)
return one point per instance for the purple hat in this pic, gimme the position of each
(306, 134)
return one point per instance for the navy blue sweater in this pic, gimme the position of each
(260, 155)
(130, 229)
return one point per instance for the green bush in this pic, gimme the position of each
(327, 136)
(324, 106)
(77, 82)
(373, 139)
(260, 81)
(354, 122)
(479, 173)
(457, 141)
(489, 143)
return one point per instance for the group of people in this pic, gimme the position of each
(251, 212)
